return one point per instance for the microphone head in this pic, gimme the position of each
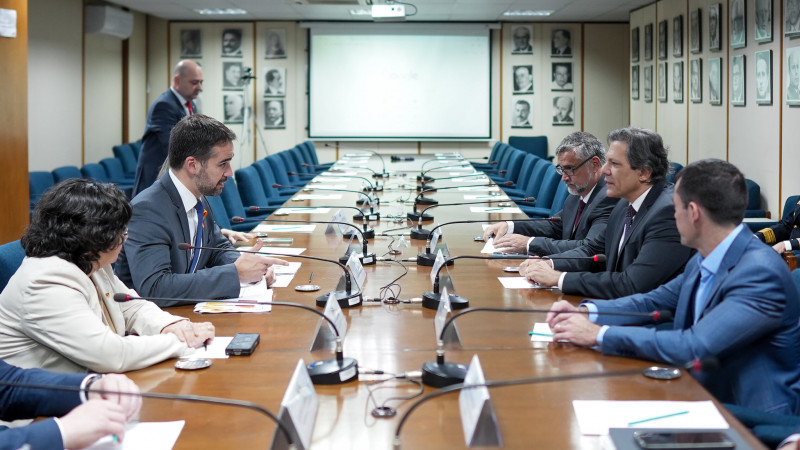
(493, 162)
(502, 172)
(508, 183)
(707, 364)
(121, 297)
(304, 165)
(600, 258)
(529, 199)
(253, 208)
(663, 315)
(291, 173)
(185, 246)
(276, 185)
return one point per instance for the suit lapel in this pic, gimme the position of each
(568, 216)
(587, 211)
(684, 313)
(615, 223)
(729, 261)
(175, 198)
(641, 214)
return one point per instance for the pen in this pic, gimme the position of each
(285, 228)
(492, 209)
(656, 418)
(531, 333)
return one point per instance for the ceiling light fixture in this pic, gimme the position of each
(517, 13)
(221, 11)
(361, 12)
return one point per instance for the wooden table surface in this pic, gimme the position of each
(400, 338)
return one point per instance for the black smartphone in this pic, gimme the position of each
(683, 440)
(243, 344)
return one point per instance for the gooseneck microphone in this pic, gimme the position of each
(425, 186)
(696, 365)
(369, 233)
(371, 188)
(186, 398)
(384, 173)
(418, 216)
(366, 198)
(345, 298)
(366, 258)
(422, 177)
(329, 371)
(420, 199)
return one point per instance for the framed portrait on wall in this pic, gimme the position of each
(635, 45)
(232, 76)
(635, 82)
(677, 36)
(764, 77)
(563, 110)
(662, 40)
(763, 31)
(521, 40)
(792, 11)
(523, 79)
(695, 80)
(737, 80)
(715, 81)
(234, 108)
(561, 43)
(232, 42)
(648, 83)
(662, 81)
(694, 31)
(648, 42)
(677, 82)
(793, 69)
(274, 82)
(521, 115)
(191, 44)
(273, 114)
(276, 43)
(562, 76)
(738, 24)
(714, 28)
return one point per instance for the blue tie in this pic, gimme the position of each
(198, 238)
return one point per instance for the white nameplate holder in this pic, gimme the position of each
(451, 336)
(437, 264)
(478, 418)
(356, 269)
(298, 411)
(325, 337)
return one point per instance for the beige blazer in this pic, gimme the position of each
(51, 318)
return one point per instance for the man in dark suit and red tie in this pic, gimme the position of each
(171, 107)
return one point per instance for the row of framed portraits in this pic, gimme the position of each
(737, 28)
(563, 111)
(560, 41)
(274, 116)
(231, 43)
(763, 80)
(561, 79)
(234, 78)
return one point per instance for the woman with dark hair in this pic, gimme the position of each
(58, 310)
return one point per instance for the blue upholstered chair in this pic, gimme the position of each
(546, 197)
(754, 200)
(536, 145)
(127, 157)
(11, 256)
(38, 183)
(65, 173)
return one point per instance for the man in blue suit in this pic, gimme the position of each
(84, 420)
(735, 301)
(168, 109)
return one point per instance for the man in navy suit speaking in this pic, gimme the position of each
(171, 107)
(735, 301)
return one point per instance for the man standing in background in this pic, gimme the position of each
(168, 109)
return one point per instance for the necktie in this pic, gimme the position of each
(189, 105)
(702, 292)
(581, 206)
(198, 237)
(629, 213)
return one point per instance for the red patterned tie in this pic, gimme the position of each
(189, 105)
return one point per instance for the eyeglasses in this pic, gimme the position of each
(570, 171)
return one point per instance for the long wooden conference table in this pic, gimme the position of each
(398, 338)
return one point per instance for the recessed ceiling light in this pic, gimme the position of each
(361, 12)
(221, 11)
(528, 13)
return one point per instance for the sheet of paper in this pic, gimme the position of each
(595, 417)
(144, 436)
(223, 307)
(327, 179)
(325, 186)
(266, 228)
(486, 197)
(541, 332)
(330, 176)
(285, 274)
(216, 349)
(303, 210)
(283, 250)
(469, 179)
(489, 247)
(253, 293)
(318, 197)
(494, 210)
(519, 283)
(479, 188)
(8, 23)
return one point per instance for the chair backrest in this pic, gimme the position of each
(796, 278)
(493, 154)
(674, 169)
(218, 210)
(38, 183)
(298, 159)
(558, 200)
(536, 177)
(264, 171)
(66, 172)
(96, 172)
(288, 162)
(114, 169)
(310, 152)
(536, 145)
(515, 165)
(127, 157)
(525, 171)
(547, 192)
(250, 188)
(279, 170)
(789, 205)
(11, 256)
(232, 200)
(507, 152)
(137, 148)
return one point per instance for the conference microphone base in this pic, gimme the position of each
(370, 217)
(333, 371)
(345, 300)
(427, 201)
(426, 188)
(361, 201)
(420, 233)
(366, 260)
(415, 217)
(369, 233)
(424, 178)
(373, 189)
(380, 175)
(431, 300)
(439, 375)
(427, 260)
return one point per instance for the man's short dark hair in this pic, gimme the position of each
(585, 145)
(645, 151)
(196, 136)
(76, 220)
(717, 186)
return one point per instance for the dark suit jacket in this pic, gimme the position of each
(152, 264)
(750, 323)
(554, 236)
(23, 403)
(163, 115)
(786, 229)
(651, 254)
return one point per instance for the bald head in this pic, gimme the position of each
(187, 79)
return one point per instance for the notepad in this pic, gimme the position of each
(494, 210)
(304, 210)
(595, 417)
(520, 283)
(144, 436)
(265, 228)
(216, 349)
(486, 197)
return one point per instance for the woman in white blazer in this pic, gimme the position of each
(58, 310)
